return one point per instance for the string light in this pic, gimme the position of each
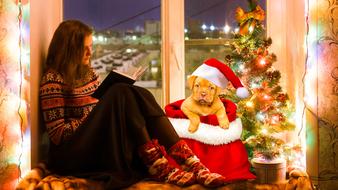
(260, 116)
(249, 104)
(262, 62)
(264, 131)
(20, 84)
(266, 97)
(251, 28)
(241, 67)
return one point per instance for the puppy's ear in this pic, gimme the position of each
(191, 81)
(217, 92)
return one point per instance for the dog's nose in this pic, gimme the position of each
(203, 94)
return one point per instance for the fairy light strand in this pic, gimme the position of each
(305, 66)
(20, 84)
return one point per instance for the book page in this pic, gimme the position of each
(131, 71)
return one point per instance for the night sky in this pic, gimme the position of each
(127, 14)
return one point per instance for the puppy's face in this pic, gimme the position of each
(203, 91)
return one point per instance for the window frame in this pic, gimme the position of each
(172, 27)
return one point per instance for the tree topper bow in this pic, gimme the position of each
(249, 19)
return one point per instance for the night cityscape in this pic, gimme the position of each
(128, 33)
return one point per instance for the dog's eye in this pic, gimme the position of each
(211, 88)
(197, 85)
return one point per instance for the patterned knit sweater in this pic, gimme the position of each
(64, 109)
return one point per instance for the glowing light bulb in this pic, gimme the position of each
(264, 131)
(262, 62)
(249, 104)
(241, 67)
(266, 97)
(260, 116)
(274, 119)
(251, 29)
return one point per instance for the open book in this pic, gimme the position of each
(118, 77)
(132, 72)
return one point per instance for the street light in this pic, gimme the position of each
(100, 38)
(204, 27)
(226, 28)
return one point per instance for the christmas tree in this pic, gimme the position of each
(265, 114)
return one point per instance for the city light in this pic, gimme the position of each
(204, 27)
(100, 38)
(226, 28)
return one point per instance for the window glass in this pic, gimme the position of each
(209, 27)
(127, 35)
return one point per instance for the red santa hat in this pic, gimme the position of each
(220, 74)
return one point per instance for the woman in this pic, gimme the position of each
(117, 138)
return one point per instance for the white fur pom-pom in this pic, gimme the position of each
(242, 92)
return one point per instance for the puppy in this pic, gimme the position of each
(203, 101)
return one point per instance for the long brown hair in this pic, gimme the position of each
(66, 50)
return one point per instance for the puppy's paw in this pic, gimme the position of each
(192, 128)
(224, 124)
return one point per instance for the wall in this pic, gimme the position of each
(14, 92)
(287, 25)
(306, 49)
(323, 62)
(45, 17)
(305, 40)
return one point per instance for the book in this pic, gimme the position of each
(115, 76)
(133, 72)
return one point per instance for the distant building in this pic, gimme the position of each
(194, 29)
(152, 27)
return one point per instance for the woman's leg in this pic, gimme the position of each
(140, 104)
(179, 150)
(161, 129)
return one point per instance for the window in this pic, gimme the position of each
(127, 35)
(209, 27)
(129, 32)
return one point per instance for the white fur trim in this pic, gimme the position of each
(208, 134)
(211, 74)
(242, 92)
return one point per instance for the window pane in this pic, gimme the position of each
(209, 27)
(127, 35)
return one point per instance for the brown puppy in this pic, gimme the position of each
(203, 101)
